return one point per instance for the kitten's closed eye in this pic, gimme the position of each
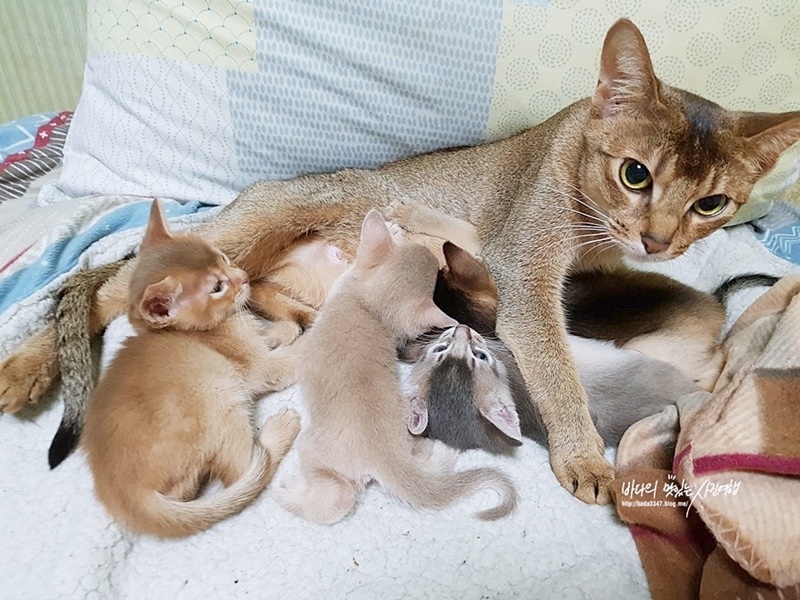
(219, 288)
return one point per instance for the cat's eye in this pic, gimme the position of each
(710, 206)
(438, 349)
(635, 176)
(219, 288)
(226, 259)
(480, 355)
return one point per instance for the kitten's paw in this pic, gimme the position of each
(398, 233)
(281, 333)
(583, 471)
(402, 214)
(280, 431)
(24, 377)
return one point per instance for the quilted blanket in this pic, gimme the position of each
(710, 487)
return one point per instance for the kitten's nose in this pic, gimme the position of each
(654, 245)
(463, 331)
(243, 278)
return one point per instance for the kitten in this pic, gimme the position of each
(174, 406)
(349, 379)
(638, 169)
(466, 390)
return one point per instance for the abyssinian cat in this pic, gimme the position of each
(305, 275)
(349, 379)
(465, 388)
(175, 405)
(640, 169)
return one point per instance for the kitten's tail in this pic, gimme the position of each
(421, 487)
(734, 284)
(73, 346)
(167, 517)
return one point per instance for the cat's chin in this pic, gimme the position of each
(644, 258)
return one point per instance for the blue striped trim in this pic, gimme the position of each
(62, 256)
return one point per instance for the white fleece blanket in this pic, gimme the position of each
(56, 541)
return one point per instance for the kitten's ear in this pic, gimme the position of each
(417, 415)
(769, 134)
(159, 304)
(376, 241)
(432, 317)
(627, 81)
(157, 229)
(501, 412)
(467, 269)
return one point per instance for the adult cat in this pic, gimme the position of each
(640, 169)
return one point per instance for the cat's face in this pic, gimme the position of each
(457, 381)
(181, 282)
(664, 167)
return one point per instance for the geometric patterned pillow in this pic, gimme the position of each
(194, 99)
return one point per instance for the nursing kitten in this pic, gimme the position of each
(175, 405)
(639, 169)
(349, 379)
(466, 390)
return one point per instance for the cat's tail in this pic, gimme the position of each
(167, 517)
(73, 347)
(425, 486)
(740, 282)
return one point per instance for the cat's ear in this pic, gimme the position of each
(417, 415)
(501, 412)
(432, 317)
(768, 135)
(159, 304)
(467, 269)
(627, 82)
(157, 229)
(376, 241)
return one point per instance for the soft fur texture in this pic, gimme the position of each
(546, 203)
(466, 389)
(174, 407)
(349, 380)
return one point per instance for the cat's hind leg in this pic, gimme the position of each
(29, 371)
(318, 495)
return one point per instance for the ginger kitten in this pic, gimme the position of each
(175, 405)
(349, 380)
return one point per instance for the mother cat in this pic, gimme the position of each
(639, 169)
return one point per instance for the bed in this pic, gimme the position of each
(190, 101)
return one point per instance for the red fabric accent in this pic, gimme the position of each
(13, 260)
(40, 140)
(780, 465)
(640, 532)
(676, 462)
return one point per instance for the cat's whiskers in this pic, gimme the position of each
(601, 215)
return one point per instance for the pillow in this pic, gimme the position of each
(195, 99)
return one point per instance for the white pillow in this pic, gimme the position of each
(194, 99)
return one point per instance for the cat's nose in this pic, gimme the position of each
(463, 331)
(654, 245)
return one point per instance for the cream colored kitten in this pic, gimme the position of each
(174, 406)
(349, 379)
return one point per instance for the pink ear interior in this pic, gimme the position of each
(502, 414)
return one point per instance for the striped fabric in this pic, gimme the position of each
(43, 45)
(20, 169)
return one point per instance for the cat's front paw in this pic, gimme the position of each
(279, 432)
(398, 233)
(24, 377)
(403, 214)
(582, 470)
(282, 333)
